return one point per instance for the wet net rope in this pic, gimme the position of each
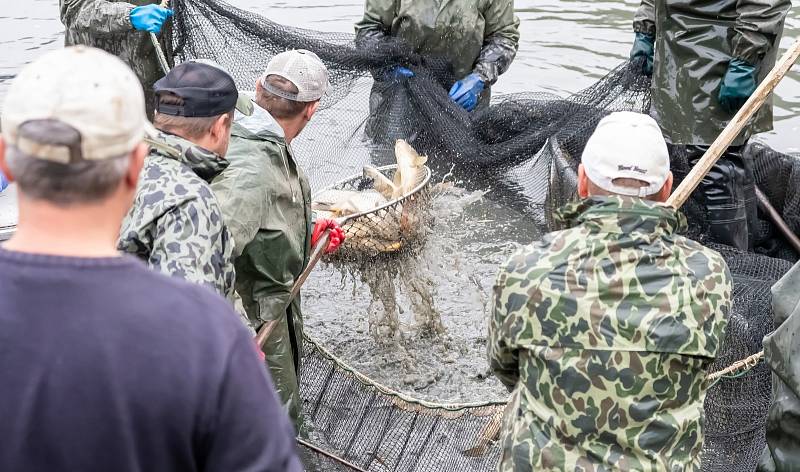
(525, 147)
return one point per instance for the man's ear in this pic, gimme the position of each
(3, 165)
(222, 128)
(310, 110)
(583, 182)
(135, 165)
(666, 189)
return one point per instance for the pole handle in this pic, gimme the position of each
(316, 255)
(735, 126)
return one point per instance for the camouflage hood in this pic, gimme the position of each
(204, 163)
(621, 215)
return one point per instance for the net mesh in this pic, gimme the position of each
(378, 429)
(526, 148)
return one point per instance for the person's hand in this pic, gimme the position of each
(738, 84)
(466, 91)
(150, 18)
(644, 46)
(336, 237)
(399, 73)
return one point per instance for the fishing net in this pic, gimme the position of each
(736, 408)
(390, 227)
(377, 429)
(525, 148)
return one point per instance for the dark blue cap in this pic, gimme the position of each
(206, 91)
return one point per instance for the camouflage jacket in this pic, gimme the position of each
(605, 331)
(175, 224)
(480, 36)
(106, 24)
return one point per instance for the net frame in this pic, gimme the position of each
(400, 212)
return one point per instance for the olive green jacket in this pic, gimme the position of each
(106, 24)
(781, 351)
(266, 203)
(695, 41)
(478, 36)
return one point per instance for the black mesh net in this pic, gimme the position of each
(736, 408)
(375, 428)
(526, 148)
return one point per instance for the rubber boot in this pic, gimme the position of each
(722, 192)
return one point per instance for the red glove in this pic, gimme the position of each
(336, 238)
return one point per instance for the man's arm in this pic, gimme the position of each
(252, 431)
(644, 21)
(98, 17)
(190, 242)
(757, 28)
(501, 40)
(503, 353)
(376, 24)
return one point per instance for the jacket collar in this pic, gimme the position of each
(258, 124)
(204, 163)
(616, 214)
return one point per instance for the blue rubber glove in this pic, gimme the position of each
(644, 46)
(150, 18)
(3, 182)
(737, 85)
(466, 91)
(399, 73)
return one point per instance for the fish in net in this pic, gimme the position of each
(526, 147)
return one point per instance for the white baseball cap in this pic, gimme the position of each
(302, 68)
(88, 90)
(627, 145)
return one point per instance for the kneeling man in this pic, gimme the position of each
(605, 330)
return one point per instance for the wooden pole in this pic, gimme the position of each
(681, 194)
(329, 455)
(162, 58)
(778, 220)
(316, 255)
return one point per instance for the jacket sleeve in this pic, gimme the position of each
(96, 17)
(758, 25)
(376, 24)
(503, 353)
(644, 21)
(193, 251)
(780, 352)
(501, 40)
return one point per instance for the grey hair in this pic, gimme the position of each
(77, 183)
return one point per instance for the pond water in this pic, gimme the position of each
(565, 46)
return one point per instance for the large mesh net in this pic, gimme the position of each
(526, 148)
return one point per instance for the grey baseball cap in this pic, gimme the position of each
(302, 68)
